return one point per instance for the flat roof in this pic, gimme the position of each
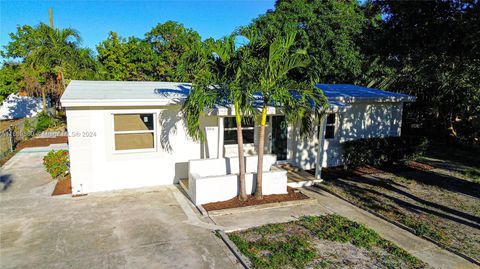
(89, 92)
(354, 93)
(152, 93)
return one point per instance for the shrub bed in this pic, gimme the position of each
(57, 163)
(45, 121)
(379, 152)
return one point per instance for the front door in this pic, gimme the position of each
(279, 137)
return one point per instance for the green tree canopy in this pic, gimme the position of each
(328, 30)
(126, 59)
(177, 47)
(433, 46)
(10, 79)
(49, 57)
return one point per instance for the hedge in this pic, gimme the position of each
(380, 152)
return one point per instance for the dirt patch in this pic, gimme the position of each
(64, 186)
(419, 165)
(367, 170)
(292, 195)
(42, 142)
(35, 142)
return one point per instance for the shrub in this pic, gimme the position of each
(45, 121)
(57, 163)
(382, 151)
(28, 128)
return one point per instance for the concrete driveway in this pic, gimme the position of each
(148, 228)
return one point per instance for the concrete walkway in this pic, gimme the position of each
(145, 228)
(328, 204)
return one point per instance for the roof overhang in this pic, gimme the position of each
(373, 100)
(119, 102)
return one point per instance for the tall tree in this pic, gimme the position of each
(50, 56)
(269, 76)
(328, 30)
(174, 45)
(432, 46)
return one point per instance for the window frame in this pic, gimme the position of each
(154, 132)
(334, 125)
(235, 129)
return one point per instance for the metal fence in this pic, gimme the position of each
(16, 133)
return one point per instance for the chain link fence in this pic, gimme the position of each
(16, 133)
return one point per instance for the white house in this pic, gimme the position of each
(131, 134)
(16, 106)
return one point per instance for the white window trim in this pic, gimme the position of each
(154, 131)
(236, 145)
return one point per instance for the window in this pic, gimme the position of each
(330, 128)
(230, 130)
(134, 131)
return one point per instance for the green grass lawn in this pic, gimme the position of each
(473, 174)
(329, 241)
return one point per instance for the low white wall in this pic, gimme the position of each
(250, 163)
(213, 180)
(232, 150)
(210, 189)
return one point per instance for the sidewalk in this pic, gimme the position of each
(328, 204)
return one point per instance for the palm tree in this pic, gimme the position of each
(220, 83)
(301, 100)
(53, 52)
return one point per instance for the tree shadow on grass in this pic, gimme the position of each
(432, 178)
(368, 196)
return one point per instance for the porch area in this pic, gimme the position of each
(212, 185)
(297, 177)
(215, 180)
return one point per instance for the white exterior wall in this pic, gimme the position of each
(95, 166)
(366, 120)
(361, 120)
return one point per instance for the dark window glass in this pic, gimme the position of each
(230, 133)
(230, 122)
(330, 132)
(230, 137)
(330, 128)
(331, 119)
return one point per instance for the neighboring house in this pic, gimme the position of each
(131, 134)
(16, 106)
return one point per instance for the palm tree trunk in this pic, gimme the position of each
(241, 160)
(44, 100)
(260, 151)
